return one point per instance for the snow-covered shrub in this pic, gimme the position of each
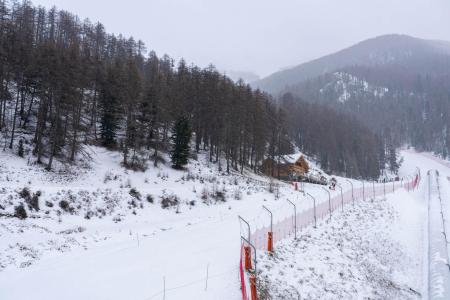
(128, 184)
(263, 287)
(33, 202)
(137, 163)
(25, 193)
(64, 205)
(150, 198)
(135, 193)
(89, 214)
(168, 201)
(108, 177)
(205, 195)
(190, 176)
(237, 194)
(20, 212)
(219, 196)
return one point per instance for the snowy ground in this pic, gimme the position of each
(371, 251)
(113, 243)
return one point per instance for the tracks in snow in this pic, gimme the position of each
(438, 258)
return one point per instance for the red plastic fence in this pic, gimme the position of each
(286, 228)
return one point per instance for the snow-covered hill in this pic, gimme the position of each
(348, 86)
(100, 225)
(115, 240)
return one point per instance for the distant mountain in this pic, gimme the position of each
(398, 86)
(385, 51)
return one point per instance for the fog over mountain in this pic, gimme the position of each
(397, 85)
(393, 50)
(248, 77)
(260, 36)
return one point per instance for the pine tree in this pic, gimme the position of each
(181, 137)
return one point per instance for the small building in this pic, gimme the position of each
(285, 170)
(297, 171)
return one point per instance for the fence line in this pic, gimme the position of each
(285, 228)
(198, 281)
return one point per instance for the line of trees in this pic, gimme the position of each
(66, 83)
(339, 142)
(70, 83)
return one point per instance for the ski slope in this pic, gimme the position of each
(190, 251)
(186, 252)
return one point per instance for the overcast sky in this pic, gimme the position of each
(261, 36)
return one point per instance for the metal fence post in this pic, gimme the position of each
(315, 216)
(342, 196)
(353, 197)
(364, 192)
(373, 189)
(248, 226)
(270, 234)
(329, 199)
(295, 217)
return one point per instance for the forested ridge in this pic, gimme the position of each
(413, 108)
(398, 86)
(66, 83)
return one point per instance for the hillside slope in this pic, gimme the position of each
(112, 241)
(398, 50)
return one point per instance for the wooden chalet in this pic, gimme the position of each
(285, 170)
(297, 171)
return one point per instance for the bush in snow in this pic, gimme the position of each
(25, 193)
(135, 194)
(31, 200)
(108, 177)
(20, 212)
(205, 195)
(219, 196)
(150, 198)
(33, 203)
(169, 201)
(64, 205)
(237, 194)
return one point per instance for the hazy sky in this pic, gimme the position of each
(260, 36)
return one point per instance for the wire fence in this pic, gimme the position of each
(201, 283)
(281, 230)
(286, 228)
(291, 225)
(438, 256)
